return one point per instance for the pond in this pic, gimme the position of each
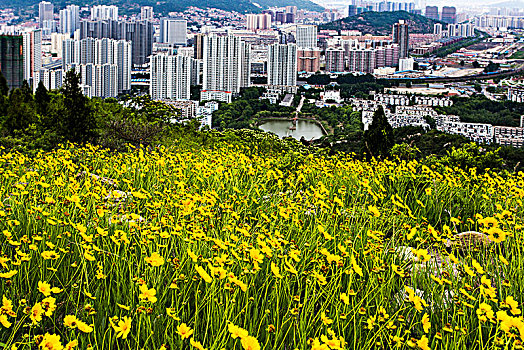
(307, 128)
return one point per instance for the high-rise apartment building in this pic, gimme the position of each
(449, 14)
(104, 12)
(308, 60)
(335, 59)
(95, 59)
(53, 79)
(170, 77)
(258, 21)
(432, 12)
(69, 19)
(401, 37)
(362, 60)
(226, 63)
(306, 36)
(32, 50)
(282, 64)
(198, 46)
(12, 59)
(45, 12)
(437, 29)
(173, 31)
(140, 33)
(146, 13)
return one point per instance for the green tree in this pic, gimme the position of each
(78, 124)
(379, 138)
(42, 99)
(19, 112)
(4, 88)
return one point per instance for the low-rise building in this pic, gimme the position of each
(216, 95)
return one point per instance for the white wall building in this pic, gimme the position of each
(104, 64)
(306, 36)
(32, 52)
(260, 21)
(226, 63)
(170, 77)
(104, 12)
(282, 64)
(69, 19)
(173, 31)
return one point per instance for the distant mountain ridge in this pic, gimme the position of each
(381, 23)
(165, 6)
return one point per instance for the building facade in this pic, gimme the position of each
(306, 36)
(282, 64)
(12, 60)
(335, 61)
(173, 31)
(140, 33)
(401, 37)
(32, 52)
(170, 77)
(226, 63)
(69, 19)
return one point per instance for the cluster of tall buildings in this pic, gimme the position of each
(139, 32)
(104, 64)
(357, 7)
(105, 48)
(260, 21)
(448, 14)
(499, 22)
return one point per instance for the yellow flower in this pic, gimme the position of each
(250, 343)
(422, 255)
(8, 274)
(70, 321)
(373, 210)
(355, 266)
(71, 345)
(276, 270)
(325, 320)
(148, 294)
(184, 331)
(426, 324)
(477, 267)
(344, 297)
(51, 342)
(4, 321)
(36, 313)
(398, 270)
(513, 305)
(155, 259)
(196, 344)
(237, 332)
(205, 276)
(84, 327)
(496, 235)
(123, 328)
(44, 288)
(485, 312)
(256, 255)
(423, 343)
(49, 306)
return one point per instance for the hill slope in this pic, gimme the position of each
(166, 6)
(380, 23)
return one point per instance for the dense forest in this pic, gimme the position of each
(479, 109)
(380, 23)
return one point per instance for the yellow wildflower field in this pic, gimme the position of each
(226, 248)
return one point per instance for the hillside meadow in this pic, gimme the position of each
(225, 247)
